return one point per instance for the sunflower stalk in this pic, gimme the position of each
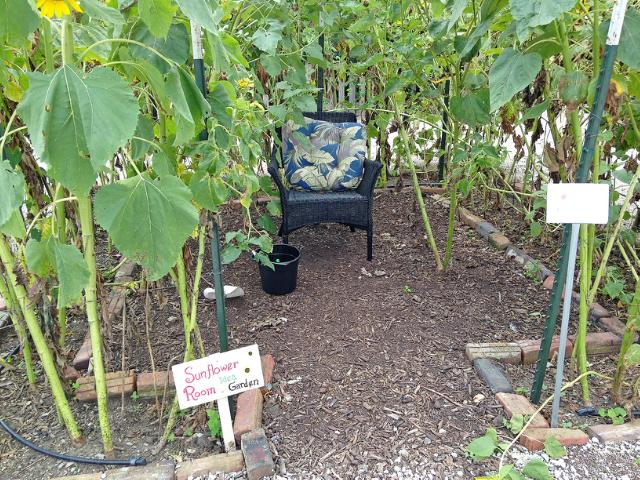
(16, 319)
(40, 342)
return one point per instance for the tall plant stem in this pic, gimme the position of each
(60, 231)
(416, 188)
(453, 205)
(91, 303)
(193, 323)
(595, 36)
(627, 340)
(48, 45)
(184, 307)
(581, 346)
(16, 318)
(567, 61)
(612, 238)
(46, 357)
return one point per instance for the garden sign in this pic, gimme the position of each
(217, 377)
(575, 204)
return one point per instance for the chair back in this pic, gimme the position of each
(333, 117)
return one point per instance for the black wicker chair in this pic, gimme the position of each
(352, 208)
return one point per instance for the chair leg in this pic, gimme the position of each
(352, 228)
(370, 243)
(285, 239)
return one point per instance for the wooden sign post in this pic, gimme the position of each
(575, 204)
(217, 377)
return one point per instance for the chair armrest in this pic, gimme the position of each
(274, 171)
(371, 172)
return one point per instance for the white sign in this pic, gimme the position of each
(578, 203)
(218, 376)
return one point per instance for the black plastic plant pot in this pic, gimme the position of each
(282, 279)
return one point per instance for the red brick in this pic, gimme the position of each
(248, 413)
(628, 432)
(125, 272)
(499, 241)
(249, 403)
(598, 311)
(71, 374)
(117, 383)
(257, 456)
(144, 383)
(603, 343)
(82, 358)
(505, 352)
(469, 218)
(548, 282)
(519, 405)
(534, 438)
(531, 349)
(268, 365)
(613, 325)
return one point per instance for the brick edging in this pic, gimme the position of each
(597, 342)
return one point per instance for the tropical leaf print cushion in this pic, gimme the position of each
(323, 156)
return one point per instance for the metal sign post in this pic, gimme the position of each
(574, 203)
(582, 174)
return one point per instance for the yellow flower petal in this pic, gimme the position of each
(75, 5)
(47, 10)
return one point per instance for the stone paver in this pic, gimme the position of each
(493, 375)
(505, 352)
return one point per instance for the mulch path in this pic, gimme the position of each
(370, 355)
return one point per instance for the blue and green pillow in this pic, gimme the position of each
(323, 156)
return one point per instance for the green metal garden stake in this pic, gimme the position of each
(586, 158)
(198, 65)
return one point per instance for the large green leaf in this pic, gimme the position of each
(11, 191)
(210, 192)
(18, 20)
(14, 227)
(148, 220)
(157, 15)
(472, 109)
(510, 73)
(50, 256)
(175, 46)
(189, 105)
(206, 13)
(629, 46)
(76, 123)
(97, 9)
(266, 39)
(532, 13)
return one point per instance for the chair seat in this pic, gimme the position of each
(352, 196)
(306, 208)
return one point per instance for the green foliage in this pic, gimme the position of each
(515, 424)
(615, 414)
(536, 469)
(483, 447)
(533, 13)
(206, 13)
(18, 20)
(11, 191)
(553, 448)
(77, 123)
(148, 220)
(510, 73)
(213, 422)
(157, 15)
(49, 256)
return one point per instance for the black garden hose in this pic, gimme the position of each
(133, 462)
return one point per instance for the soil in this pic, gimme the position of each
(371, 370)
